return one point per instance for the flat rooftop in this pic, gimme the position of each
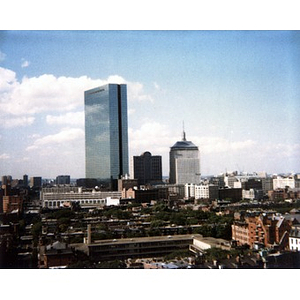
(148, 239)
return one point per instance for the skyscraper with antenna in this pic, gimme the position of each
(184, 162)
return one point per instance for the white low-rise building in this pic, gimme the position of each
(248, 194)
(57, 197)
(202, 191)
(280, 182)
(294, 238)
(199, 191)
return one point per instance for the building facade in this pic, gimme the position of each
(184, 162)
(57, 197)
(106, 132)
(294, 238)
(147, 168)
(36, 182)
(156, 246)
(281, 182)
(12, 203)
(201, 191)
(269, 230)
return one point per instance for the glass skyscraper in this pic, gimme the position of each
(106, 132)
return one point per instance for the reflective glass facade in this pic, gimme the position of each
(106, 132)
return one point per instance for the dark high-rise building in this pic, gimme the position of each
(63, 179)
(35, 182)
(25, 180)
(7, 179)
(147, 168)
(106, 132)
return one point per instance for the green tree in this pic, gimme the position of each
(178, 218)
(156, 223)
(216, 254)
(178, 254)
(36, 230)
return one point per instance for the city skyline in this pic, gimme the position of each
(237, 92)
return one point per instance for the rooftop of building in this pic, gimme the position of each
(184, 144)
(148, 239)
(213, 242)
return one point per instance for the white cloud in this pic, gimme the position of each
(136, 93)
(280, 151)
(2, 56)
(4, 156)
(8, 83)
(25, 63)
(59, 153)
(209, 145)
(156, 86)
(47, 93)
(154, 137)
(61, 139)
(131, 111)
(34, 136)
(17, 122)
(151, 136)
(70, 118)
(116, 79)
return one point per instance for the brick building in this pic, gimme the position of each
(12, 203)
(265, 229)
(283, 194)
(56, 255)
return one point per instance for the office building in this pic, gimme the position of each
(64, 196)
(7, 179)
(281, 182)
(147, 168)
(35, 182)
(106, 132)
(25, 180)
(142, 247)
(201, 191)
(184, 162)
(63, 179)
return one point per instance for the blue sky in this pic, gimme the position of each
(236, 91)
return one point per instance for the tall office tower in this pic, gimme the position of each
(6, 179)
(184, 162)
(147, 168)
(106, 132)
(25, 180)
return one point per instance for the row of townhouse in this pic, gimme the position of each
(264, 230)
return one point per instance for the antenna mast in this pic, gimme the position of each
(183, 134)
